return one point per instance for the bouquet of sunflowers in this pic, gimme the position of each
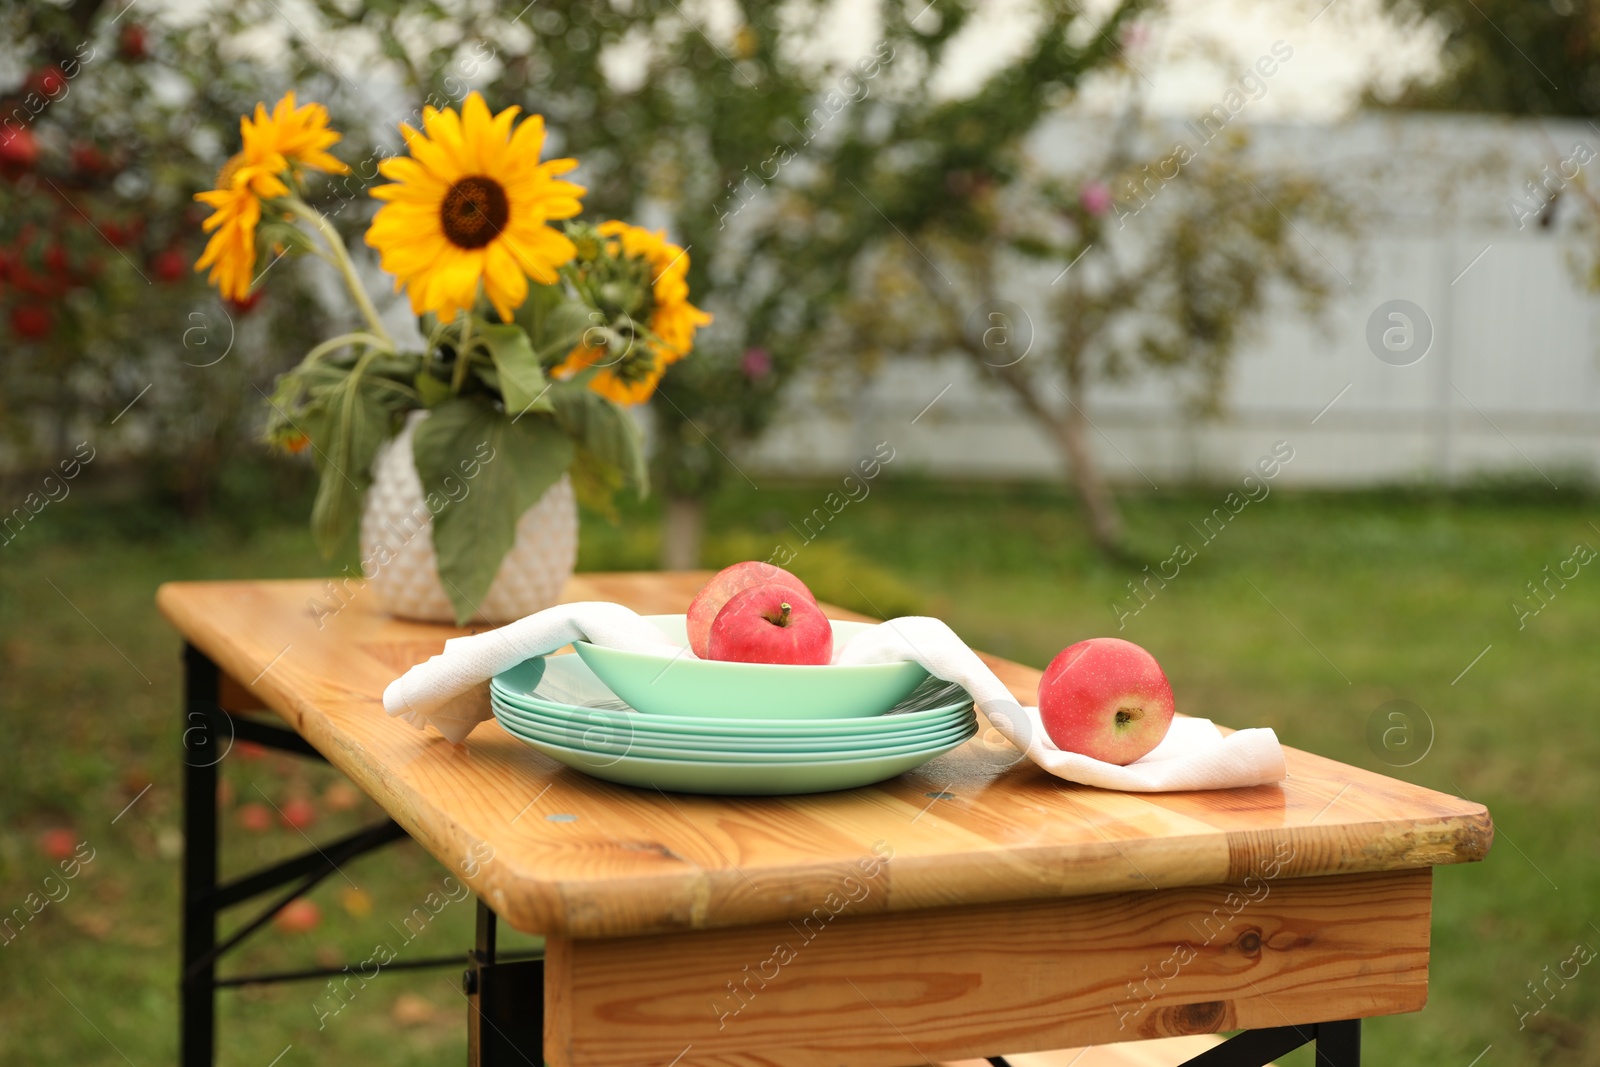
(535, 338)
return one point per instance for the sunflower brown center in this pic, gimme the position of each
(474, 212)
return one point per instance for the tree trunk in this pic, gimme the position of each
(681, 529)
(1099, 506)
(1068, 430)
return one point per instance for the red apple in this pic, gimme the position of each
(134, 42)
(255, 817)
(249, 751)
(32, 322)
(299, 916)
(1106, 698)
(722, 587)
(58, 843)
(170, 265)
(297, 814)
(18, 149)
(770, 624)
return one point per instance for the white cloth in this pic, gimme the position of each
(1193, 755)
(451, 691)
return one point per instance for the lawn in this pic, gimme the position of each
(1306, 613)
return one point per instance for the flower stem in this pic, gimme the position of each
(347, 268)
(463, 354)
(333, 344)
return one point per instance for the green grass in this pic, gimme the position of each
(1306, 614)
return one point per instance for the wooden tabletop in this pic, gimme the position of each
(576, 856)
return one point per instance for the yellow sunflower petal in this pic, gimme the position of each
(466, 209)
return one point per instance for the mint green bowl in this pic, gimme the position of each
(668, 685)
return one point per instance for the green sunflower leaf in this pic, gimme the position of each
(519, 376)
(553, 321)
(347, 426)
(484, 468)
(602, 429)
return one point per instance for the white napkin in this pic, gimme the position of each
(1193, 755)
(451, 691)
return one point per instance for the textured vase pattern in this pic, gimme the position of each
(397, 526)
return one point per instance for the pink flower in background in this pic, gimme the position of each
(1095, 197)
(1135, 35)
(756, 363)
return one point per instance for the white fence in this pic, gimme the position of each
(1510, 385)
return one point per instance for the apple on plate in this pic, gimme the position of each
(723, 586)
(771, 624)
(1106, 698)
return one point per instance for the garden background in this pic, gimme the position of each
(954, 232)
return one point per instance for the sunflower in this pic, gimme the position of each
(469, 207)
(299, 134)
(629, 379)
(272, 143)
(231, 252)
(672, 319)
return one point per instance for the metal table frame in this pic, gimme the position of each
(505, 993)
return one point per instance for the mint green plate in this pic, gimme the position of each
(564, 685)
(739, 779)
(603, 745)
(627, 728)
(681, 686)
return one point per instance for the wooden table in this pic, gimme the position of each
(972, 906)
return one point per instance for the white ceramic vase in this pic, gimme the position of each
(397, 527)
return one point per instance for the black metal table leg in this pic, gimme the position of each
(202, 749)
(209, 733)
(505, 1013)
(1338, 1045)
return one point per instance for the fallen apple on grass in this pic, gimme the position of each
(255, 817)
(723, 586)
(1106, 698)
(299, 916)
(771, 624)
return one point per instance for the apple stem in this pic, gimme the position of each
(782, 617)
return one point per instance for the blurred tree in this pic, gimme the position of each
(109, 124)
(1151, 273)
(1517, 57)
(721, 129)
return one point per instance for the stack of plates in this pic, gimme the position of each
(558, 706)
